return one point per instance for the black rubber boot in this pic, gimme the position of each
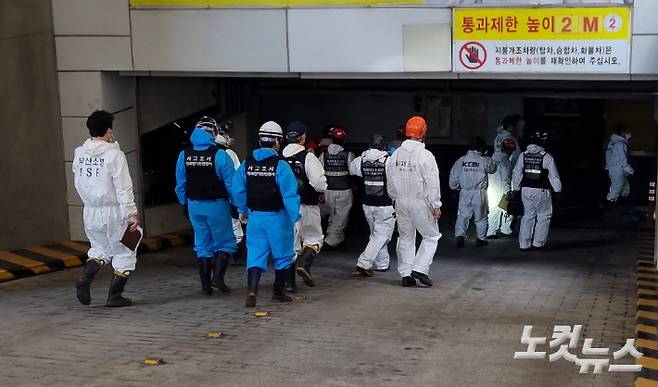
(481, 243)
(280, 277)
(205, 272)
(253, 278)
(221, 263)
(83, 285)
(460, 242)
(114, 298)
(365, 272)
(408, 281)
(305, 262)
(291, 281)
(423, 278)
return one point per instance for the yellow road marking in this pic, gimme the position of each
(649, 315)
(647, 276)
(5, 275)
(152, 244)
(646, 329)
(74, 245)
(643, 301)
(68, 259)
(35, 266)
(648, 362)
(642, 382)
(644, 343)
(649, 292)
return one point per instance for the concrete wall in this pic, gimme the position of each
(92, 42)
(33, 193)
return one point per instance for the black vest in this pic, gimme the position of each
(534, 173)
(263, 193)
(337, 171)
(309, 196)
(374, 183)
(202, 180)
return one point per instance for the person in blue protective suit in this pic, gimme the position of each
(266, 193)
(204, 174)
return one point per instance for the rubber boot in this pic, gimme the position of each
(291, 281)
(83, 285)
(481, 243)
(305, 262)
(460, 242)
(280, 277)
(253, 278)
(423, 278)
(221, 263)
(114, 298)
(205, 272)
(408, 281)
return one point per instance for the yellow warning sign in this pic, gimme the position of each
(541, 23)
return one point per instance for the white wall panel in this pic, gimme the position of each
(645, 13)
(80, 93)
(75, 133)
(209, 40)
(93, 53)
(354, 40)
(91, 17)
(643, 54)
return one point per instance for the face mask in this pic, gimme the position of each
(221, 140)
(230, 142)
(628, 136)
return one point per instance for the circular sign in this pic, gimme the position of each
(472, 55)
(612, 22)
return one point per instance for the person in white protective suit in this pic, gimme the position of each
(617, 164)
(377, 206)
(338, 197)
(470, 175)
(412, 179)
(103, 182)
(224, 140)
(511, 128)
(311, 183)
(535, 175)
(500, 184)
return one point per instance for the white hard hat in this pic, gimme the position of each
(270, 129)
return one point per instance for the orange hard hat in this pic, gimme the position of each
(416, 127)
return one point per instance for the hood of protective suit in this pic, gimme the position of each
(499, 156)
(201, 139)
(292, 149)
(374, 154)
(412, 146)
(98, 147)
(263, 153)
(335, 149)
(617, 138)
(532, 148)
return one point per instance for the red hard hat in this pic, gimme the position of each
(338, 134)
(416, 127)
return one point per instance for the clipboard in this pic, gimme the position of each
(504, 203)
(131, 239)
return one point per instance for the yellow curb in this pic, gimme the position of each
(68, 259)
(36, 267)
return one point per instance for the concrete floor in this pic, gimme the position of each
(349, 332)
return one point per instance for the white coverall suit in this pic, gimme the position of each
(498, 144)
(381, 220)
(312, 236)
(537, 202)
(413, 183)
(338, 203)
(470, 175)
(500, 183)
(616, 162)
(237, 226)
(103, 182)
